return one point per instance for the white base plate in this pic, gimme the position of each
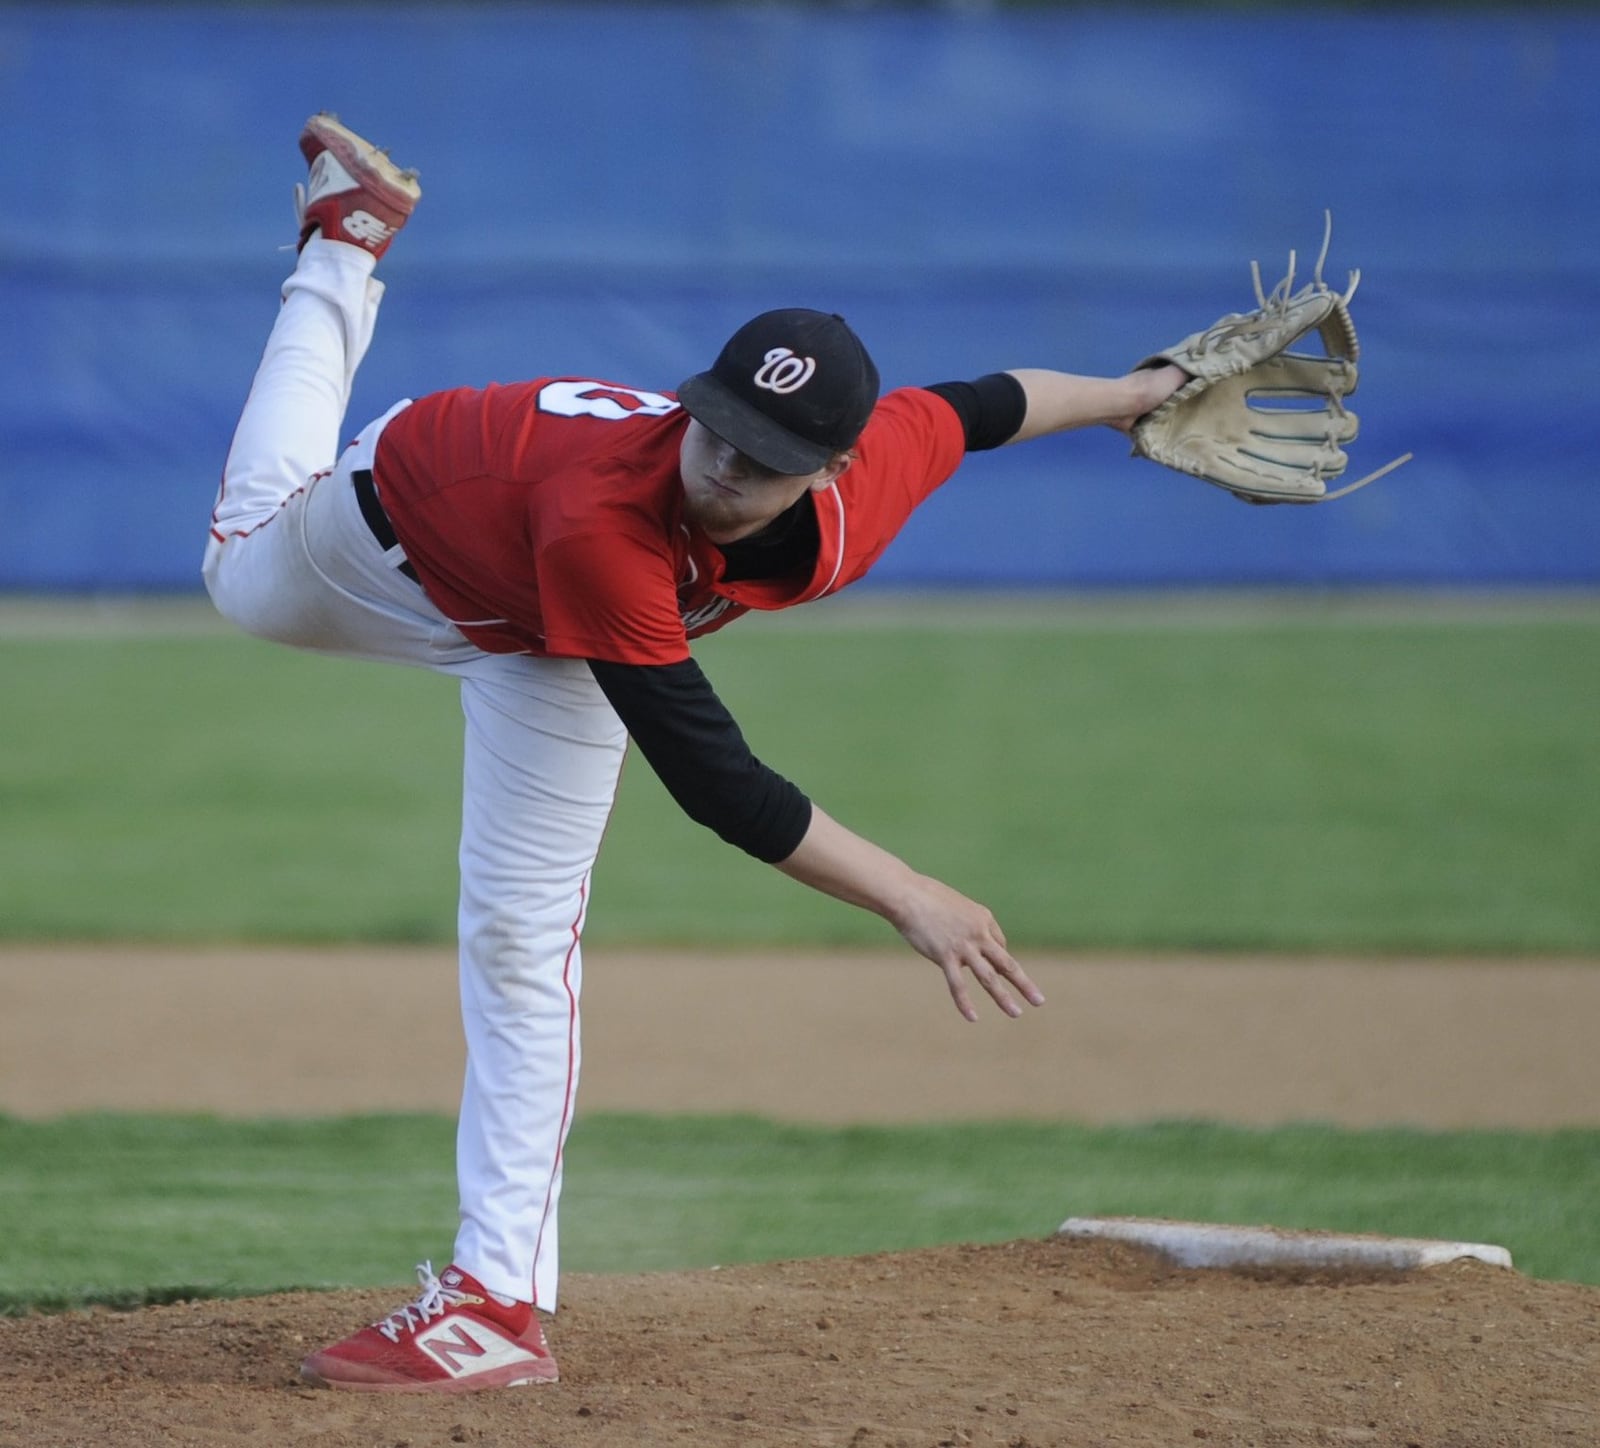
(1206, 1244)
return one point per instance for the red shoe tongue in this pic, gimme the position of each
(513, 1316)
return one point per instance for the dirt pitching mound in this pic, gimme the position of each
(1024, 1344)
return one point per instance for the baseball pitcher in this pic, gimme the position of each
(556, 545)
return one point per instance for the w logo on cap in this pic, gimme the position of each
(790, 388)
(782, 371)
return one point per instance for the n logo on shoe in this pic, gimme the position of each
(466, 1347)
(365, 229)
(450, 1347)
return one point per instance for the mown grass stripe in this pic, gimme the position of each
(1327, 787)
(132, 1209)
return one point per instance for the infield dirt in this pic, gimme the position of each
(1025, 1344)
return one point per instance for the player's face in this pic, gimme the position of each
(729, 496)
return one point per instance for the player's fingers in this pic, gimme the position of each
(958, 992)
(988, 963)
(1018, 977)
(1006, 965)
(994, 983)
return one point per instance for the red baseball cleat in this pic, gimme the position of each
(454, 1338)
(355, 193)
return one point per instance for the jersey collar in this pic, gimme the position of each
(775, 593)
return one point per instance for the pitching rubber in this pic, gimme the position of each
(1205, 1244)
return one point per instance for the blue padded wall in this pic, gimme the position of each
(611, 189)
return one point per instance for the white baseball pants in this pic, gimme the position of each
(290, 558)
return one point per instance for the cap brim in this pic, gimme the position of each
(756, 435)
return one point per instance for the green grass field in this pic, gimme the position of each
(128, 1209)
(1294, 779)
(1259, 774)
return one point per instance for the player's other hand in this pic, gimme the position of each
(1148, 388)
(961, 936)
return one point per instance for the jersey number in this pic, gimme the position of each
(600, 399)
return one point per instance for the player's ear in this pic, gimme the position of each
(836, 465)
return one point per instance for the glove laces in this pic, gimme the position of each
(435, 1300)
(1279, 300)
(1245, 328)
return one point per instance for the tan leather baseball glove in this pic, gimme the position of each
(1266, 423)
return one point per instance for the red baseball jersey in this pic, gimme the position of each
(546, 517)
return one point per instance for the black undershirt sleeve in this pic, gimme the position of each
(692, 742)
(991, 408)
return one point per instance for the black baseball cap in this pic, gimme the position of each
(790, 389)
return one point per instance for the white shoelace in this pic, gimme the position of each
(434, 1301)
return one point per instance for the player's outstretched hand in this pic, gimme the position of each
(959, 935)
